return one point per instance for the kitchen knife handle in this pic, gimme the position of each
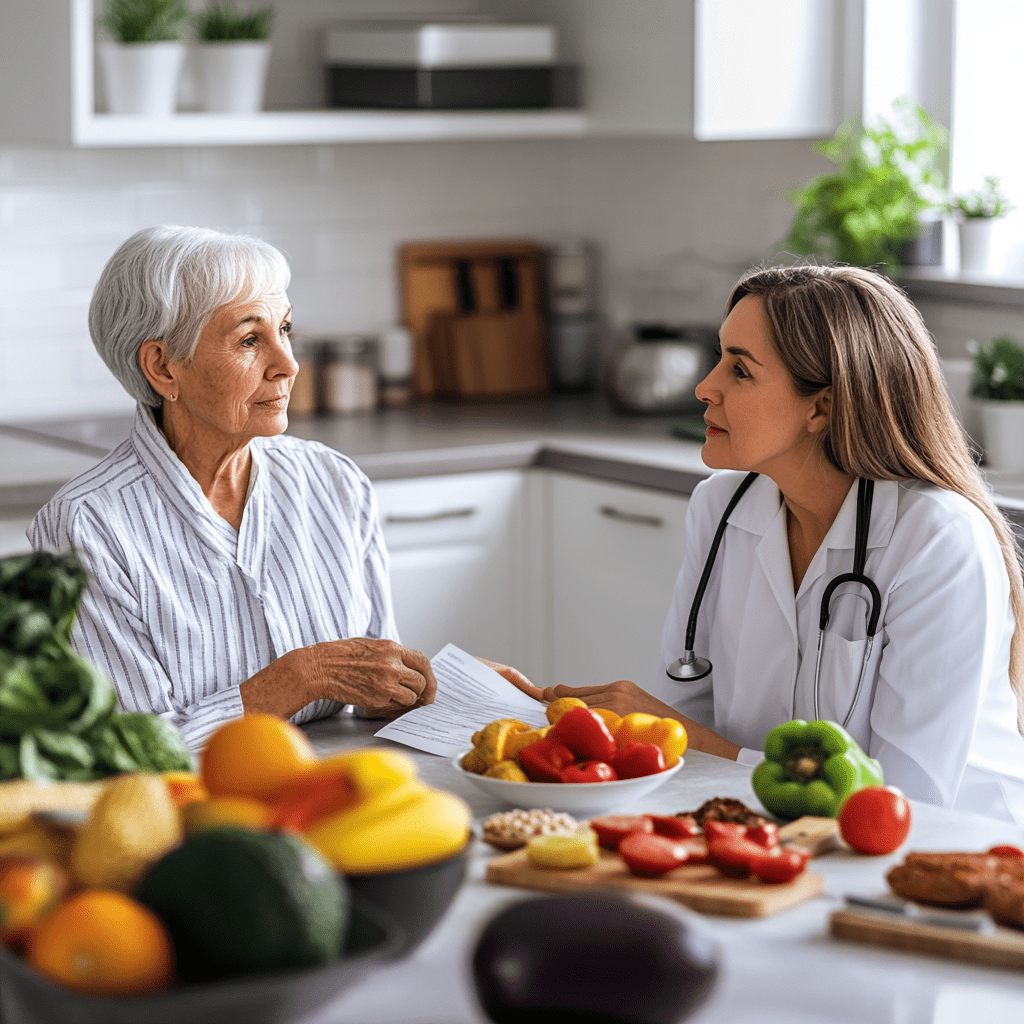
(508, 283)
(464, 286)
(635, 518)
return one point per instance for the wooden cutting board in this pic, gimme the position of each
(1002, 948)
(700, 888)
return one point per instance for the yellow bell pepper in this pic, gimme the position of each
(557, 708)
(611, 719)
(667, 733)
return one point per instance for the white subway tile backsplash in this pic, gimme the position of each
(63, 211)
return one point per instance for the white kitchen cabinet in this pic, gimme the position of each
(711, 68)
(456, 547)
(614, 554)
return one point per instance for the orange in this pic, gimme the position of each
(255, 755)
(226, 810)
(185, 787)
(104, 943)
(29, 889)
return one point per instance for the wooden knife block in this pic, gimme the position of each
(475, 313)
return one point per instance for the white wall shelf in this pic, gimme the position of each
(319, 126)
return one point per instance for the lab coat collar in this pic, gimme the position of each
(759, 508)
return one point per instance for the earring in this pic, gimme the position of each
(173, 398)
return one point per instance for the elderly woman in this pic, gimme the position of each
(233, 569)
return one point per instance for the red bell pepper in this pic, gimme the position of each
(737, 857)
(637, 759)
(544, 760)
(674, 827)
(1007, 851)
(585, 733)
(650, 856)
(612, 828)
(588, 771)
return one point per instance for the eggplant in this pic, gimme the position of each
(591, 960)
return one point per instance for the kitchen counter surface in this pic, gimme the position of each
(573, 433)
(783, 968)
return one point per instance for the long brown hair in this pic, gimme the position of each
(855, 331)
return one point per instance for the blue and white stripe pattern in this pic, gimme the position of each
(180, 608)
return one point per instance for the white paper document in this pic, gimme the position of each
(469, 695)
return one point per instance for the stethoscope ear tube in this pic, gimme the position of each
(864, 581)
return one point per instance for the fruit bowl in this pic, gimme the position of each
(415, 898)
(577, 798)
(372, 939)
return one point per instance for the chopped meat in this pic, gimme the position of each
(723, 808)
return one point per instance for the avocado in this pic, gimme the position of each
(241, 902)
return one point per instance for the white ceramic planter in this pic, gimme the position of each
(142, 78)
(1003, 429)
(976, 246)
(231, 77)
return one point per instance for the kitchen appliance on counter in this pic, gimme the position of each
(574, 328)
(465, 65)
(658, 367)
(475, 312)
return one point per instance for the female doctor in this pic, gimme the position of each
(829, 380)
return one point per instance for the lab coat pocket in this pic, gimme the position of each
(843, 662)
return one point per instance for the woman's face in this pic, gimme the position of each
(755, 419)
(239, 379)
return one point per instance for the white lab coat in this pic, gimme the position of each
(936, 707)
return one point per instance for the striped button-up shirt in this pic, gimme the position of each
(181, 608)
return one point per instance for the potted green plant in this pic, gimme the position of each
(142, 64)
(998, 385)
(887, 175)
(976, 212)
(232, 57)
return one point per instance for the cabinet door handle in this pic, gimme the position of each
(430, 517)
(636, 518)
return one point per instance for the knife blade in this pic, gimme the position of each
(964, 920)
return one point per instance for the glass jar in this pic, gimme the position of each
(349, 373)
(304, 401)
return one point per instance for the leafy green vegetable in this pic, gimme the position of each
(58, 713)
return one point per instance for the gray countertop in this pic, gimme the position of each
(572, 433)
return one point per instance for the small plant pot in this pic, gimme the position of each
(976, 248)
(142, 78)
(1003, 431)
(231, 76)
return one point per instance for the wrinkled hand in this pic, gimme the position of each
(383, 678)
(622, 697)
(516, 678)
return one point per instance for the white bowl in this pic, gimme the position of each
(576, 798)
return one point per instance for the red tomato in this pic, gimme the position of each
(612, 828)
(673, 827)
(1008, 851)
(650, 856)
(875, 820)
(588, 771)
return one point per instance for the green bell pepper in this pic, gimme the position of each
(811, 768)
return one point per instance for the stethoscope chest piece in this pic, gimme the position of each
(688, 667)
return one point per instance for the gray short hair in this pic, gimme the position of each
(165, 283)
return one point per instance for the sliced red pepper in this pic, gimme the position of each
(1007, 851)
(766, 835)
(588, 771)
(779, 866)
(697, 850)
(585, 733)
(650, 856)
(310, 798)
(724, 829)
(674, 827)
(612, 828)
(637, 759)
(544, 760)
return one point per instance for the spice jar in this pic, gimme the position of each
(349, 365)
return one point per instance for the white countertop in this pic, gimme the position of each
(782, 969)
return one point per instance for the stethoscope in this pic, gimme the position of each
(689, 667)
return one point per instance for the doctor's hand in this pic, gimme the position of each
(624, 697)
(515, 677)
